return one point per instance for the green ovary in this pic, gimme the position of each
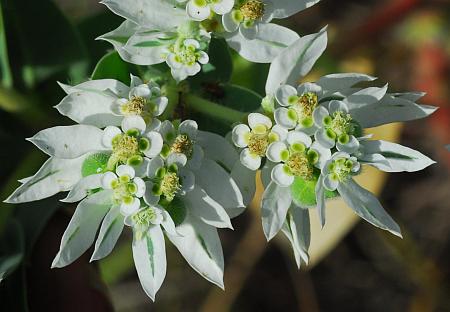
(341, 124)
(123, 190)
(304, 108)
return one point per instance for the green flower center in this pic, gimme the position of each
(186, 55)
(125, 146)
(258, 143)
(252, 10)
(299, 165)
(340, 124)
(170, 185)
(302, 108)
(135, 106)
(144, 217)
(123, 190)
(340, 169)
(182, 144)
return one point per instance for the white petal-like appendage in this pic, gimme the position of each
(299, 137)
(274, 151)
(166, 129)
(82, 228)
(295, 62)
(255, 119)
(298, 230)
(56, 175)
(223, 6)
(133, 122)
(239, 135)
(280, 177)
(203, 58)
(188, 180)
(323, 139)
(275, 203)
(271, 40)
(282, 118)
(350, 147)
(229, 24)
(80, 190)
(141, 91)
(283, 94)
(252, 162)
(189, 127)
(89, 108)
(150, 198)
(154, 165)
(399, 158)
(324, 154)
(161, 105)
(217, 148)
(125, 170)
(98, 86)
(129, 209)
(200, 245)
(309, 87)
(329, 183)
(338, 82)
(280, 131)
(367, 206)
(198, 13)
(319, 114)
(69, 142)
(156, 144)
(141, 187)
(108, 135)
(110, 231)
(178, 159)
(207, 209)
(149, 254)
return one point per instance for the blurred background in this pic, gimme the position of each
(403, 42)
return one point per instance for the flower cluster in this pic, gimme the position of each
(312, 141)
(126, 167)
(178, 32)
(129, 162)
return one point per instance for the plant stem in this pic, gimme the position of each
(213, 110)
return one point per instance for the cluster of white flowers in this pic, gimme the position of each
(178, 32)
(311, 142)
(126, 167)
(127, 163)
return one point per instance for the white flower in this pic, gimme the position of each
(144, 99)
(130, 143)
(256, 138)
(200, 10)
(127, 188)
(337, 175)
(182, 142)
(336, 127)
(297, 106)
(297, 158)
(185, 59)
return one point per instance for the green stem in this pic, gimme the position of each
(172, 93)
(213, 110)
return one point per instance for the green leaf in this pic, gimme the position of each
(111, 66)
(41, 39)
(176, 210)
(304, 194)
(94, 164)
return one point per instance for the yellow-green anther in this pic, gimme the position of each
(183, 145)
(252, 10)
